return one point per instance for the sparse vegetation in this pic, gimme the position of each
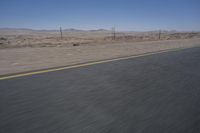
(76, 44)
(77, 37)
(3, 39)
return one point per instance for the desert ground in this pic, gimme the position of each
(27, 50)
(17, 38)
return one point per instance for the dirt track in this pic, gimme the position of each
(26, 59)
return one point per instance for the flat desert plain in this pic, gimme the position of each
(27, 50)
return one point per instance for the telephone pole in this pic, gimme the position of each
(61, 35)
(113, 33)
(159, 36)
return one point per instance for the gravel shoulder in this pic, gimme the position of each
(18, 60)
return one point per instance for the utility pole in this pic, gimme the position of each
(159, 34)
(113, 33)
(61, 35)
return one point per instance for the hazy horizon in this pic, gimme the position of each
(58, 29)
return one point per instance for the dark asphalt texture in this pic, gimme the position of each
(152, 94)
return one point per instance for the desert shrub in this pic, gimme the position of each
(76, 44)
(3, 38)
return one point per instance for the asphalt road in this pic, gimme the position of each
(153, 94)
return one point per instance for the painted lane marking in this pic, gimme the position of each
(85, 64)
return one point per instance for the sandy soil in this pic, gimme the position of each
(23, 38)
(17, 60)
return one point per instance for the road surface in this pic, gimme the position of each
(152, 94)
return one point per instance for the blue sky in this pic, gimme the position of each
(135, 15)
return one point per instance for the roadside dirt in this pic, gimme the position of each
(16, 60)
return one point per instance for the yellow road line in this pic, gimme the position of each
(81, 65)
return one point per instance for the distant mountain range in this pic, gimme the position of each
(26, 30)
(33, 30)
